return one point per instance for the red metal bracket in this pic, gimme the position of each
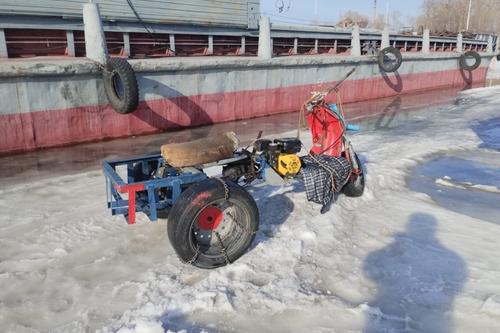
(131, 190)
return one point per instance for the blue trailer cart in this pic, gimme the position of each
(140, 192)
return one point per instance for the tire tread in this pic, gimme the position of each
(130, 100)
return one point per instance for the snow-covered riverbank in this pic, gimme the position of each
(392, 260)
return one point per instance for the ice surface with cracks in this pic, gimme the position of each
(391, 261)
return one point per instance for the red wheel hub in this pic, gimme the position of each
(209, 218)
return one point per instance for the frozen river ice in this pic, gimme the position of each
(416, 253)
(463, 184)
(466, 181)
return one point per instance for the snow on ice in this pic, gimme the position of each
(402, 258)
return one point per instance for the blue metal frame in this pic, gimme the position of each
(146, 195)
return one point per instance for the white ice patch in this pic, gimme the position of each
(449, 182)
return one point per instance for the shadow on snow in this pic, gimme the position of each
(417, 280)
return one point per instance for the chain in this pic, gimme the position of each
(193, 259)
(226, 188)
(240, 225)
(223, 248)
(104, 69)
(226, 196)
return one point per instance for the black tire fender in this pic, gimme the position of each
(187, 208)
(462, 61)
(393, 66)
(355, 186)
(120, 85)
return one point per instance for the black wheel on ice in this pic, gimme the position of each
(212, 223)
(355, 186)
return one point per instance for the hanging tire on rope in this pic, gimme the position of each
(465, 60)
(212, 223)
(120, 85)
(355, 186)
(390, 59)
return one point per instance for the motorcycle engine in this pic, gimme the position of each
(281, 154)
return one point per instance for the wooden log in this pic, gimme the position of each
(200, 151)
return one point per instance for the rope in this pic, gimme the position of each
(316, 98)
(140, 19)
(143, 23)
(341, 117)
(332, 172)
(299, 122)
